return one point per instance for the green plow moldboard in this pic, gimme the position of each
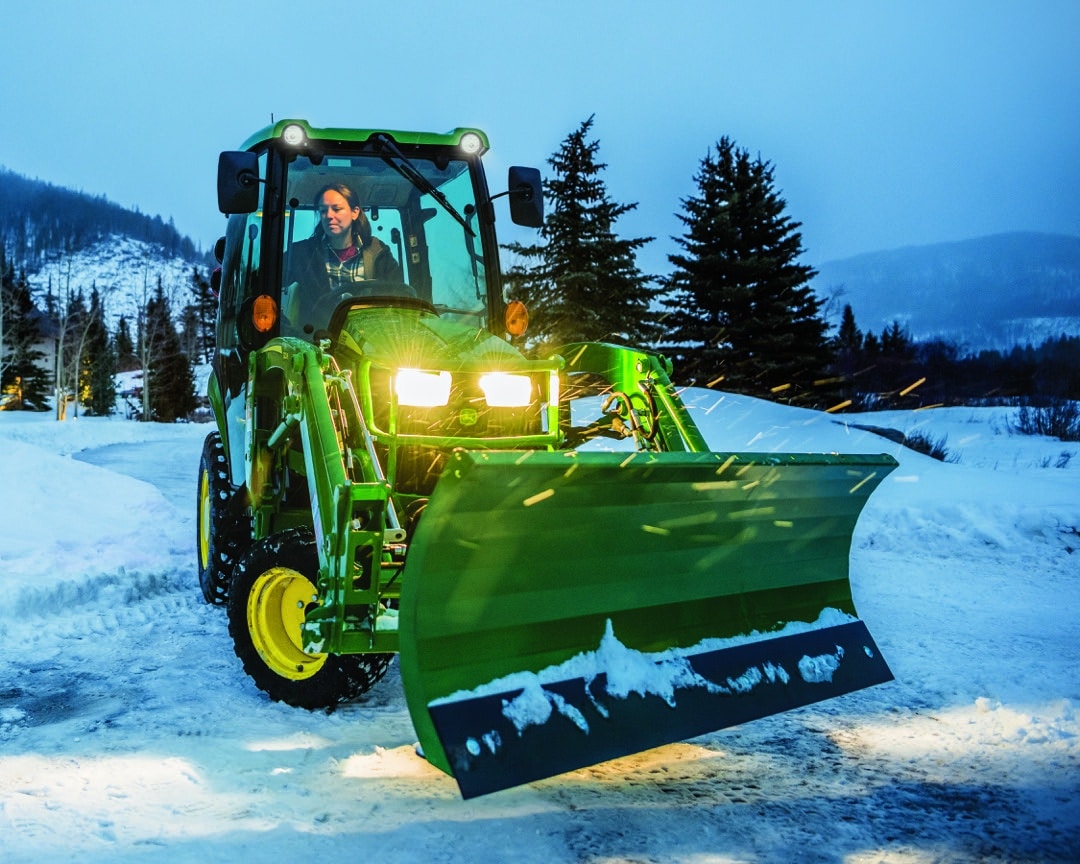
(637, 596)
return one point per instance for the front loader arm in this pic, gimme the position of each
(349, 496)
(640, 394)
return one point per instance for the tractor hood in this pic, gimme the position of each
(396, 337)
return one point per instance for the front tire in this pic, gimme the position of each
(273, 583)
(221, 536)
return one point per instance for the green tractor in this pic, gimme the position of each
(391, 475)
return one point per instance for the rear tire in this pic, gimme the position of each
(272, 584)
(222, 537)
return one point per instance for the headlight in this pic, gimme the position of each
(419, 389)
(505, 390)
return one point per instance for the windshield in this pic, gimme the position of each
(356, 226)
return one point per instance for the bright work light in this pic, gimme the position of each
(505, 390)
(293, 135)
(419, 389)
(471, 143)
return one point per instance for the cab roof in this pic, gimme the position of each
(337, 134)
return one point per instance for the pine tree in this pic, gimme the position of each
(896, 341)
(849, 337)
(7, 295)
(206, 304)
(742, 314)
(848, 353)
(170, 381)
(99, 361)
(22, 362)
(9, 319)
(126, 360)
(585, 284)
(190, 335)
(896, 366)
(198, 320)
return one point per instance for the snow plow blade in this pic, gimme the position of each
(563, 609)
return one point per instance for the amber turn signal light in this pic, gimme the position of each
(517, 318)
(264, 313)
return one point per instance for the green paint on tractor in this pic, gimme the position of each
(391, 475)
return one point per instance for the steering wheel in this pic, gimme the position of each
(373, 289)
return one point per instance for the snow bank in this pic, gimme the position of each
(128, 731)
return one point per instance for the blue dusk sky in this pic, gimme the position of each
(888, 124)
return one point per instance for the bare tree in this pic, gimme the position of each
(145, 336)
(73, 326)
(5, 360)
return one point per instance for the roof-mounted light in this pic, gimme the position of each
(293, 135)
(471, 143)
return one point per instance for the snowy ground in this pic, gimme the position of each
(129, 733)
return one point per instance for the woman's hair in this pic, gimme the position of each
(361, 227)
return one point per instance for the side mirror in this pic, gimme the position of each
(526, 197)
(238, 182)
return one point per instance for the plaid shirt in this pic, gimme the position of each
(344, 273)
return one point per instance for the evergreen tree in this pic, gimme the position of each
(849, 356)
(741, 309)
(206, 303)
(170, 380)
(22, 361)
(52, 306)
(198, 320)
(1059, 373)
(99, 361)
(871, 349)
(896, 341)
(897, 368)
(585, 284)
(190, 335)
(9, 318)
(126, 360)
(849, 338)
(938, 361)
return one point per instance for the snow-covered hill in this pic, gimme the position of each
(125, 272)
(129, 733)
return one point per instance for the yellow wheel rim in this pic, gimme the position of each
(204, 521)
(275, 614)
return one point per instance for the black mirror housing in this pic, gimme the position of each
(526, 193)
(238, 182)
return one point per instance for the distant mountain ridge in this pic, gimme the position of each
(990, 292)
(37, 218)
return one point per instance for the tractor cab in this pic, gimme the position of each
(425, 205)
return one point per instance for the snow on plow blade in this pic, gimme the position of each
(562, 609)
